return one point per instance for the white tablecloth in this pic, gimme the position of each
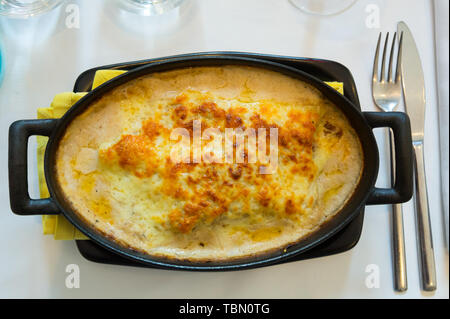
(43, 56)
(441, 22)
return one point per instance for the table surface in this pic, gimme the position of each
(44, 55)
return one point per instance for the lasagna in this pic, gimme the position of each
(209, 163)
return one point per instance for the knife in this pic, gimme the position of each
(413, 83)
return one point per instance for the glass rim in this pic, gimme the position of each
(149, 7)
(14, 9)
(293, 2)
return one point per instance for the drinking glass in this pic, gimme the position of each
(149, 7)
(323, 7)
(26, 8)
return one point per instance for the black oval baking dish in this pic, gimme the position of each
(365, 194)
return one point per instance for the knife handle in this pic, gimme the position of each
(398, 236)
(423, 221)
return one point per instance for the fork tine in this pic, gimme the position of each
(391, 57)
(375, 62)
(383, 76)
(399, 59)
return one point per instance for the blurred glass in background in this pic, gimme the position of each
(26, 8)
(323, 7)
(149, 7)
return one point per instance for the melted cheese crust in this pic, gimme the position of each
(114, 165)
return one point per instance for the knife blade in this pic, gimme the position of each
(413, 83)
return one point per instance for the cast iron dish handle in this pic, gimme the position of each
(20, 131)
(21, 203)
(403, 186)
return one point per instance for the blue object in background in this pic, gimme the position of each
(1, 64)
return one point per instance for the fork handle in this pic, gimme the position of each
(423, 221)
(398, 236)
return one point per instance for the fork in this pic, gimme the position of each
(387, 92)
